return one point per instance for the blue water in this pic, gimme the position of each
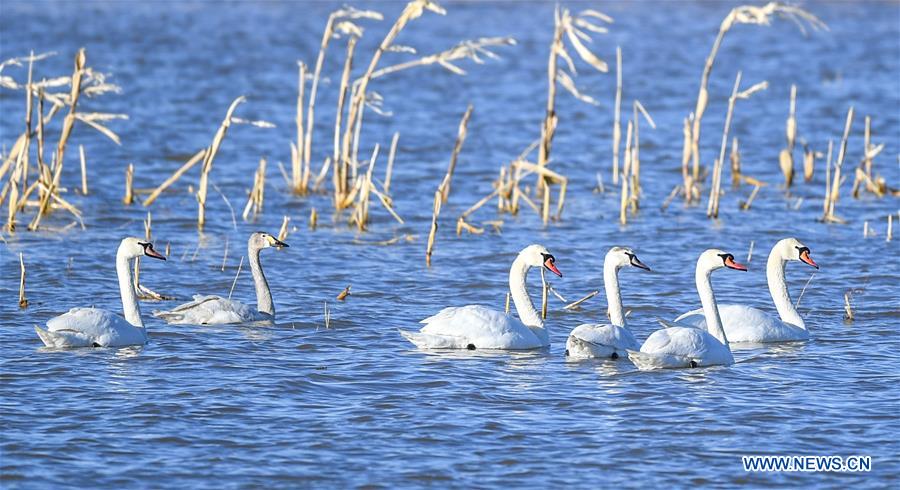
(301, 405)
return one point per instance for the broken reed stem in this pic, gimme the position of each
(735, 164)
(890, 227)
(786, 156)
(575, 304)
(283, 232)
(460, 139)
(208, 161)
(506, 305)
(617, 125)
(548, 127)
(836, 177)
(434, 225)
(825, 201)
(84, 186)
(129, 185)
(299, 163)
(225, 254)
(236, 275)
(749, 202)
(361, 213)
(626, 170)
(199, 156)
(23, 301)
(313, 219)
(712, 209)
(257, 193)
(338, 169)
(847, 307)
(544, 288)
(390, 164)
(305, 145)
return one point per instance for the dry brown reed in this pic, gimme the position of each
(429, 247)
(712, 209)
(313, 219)
(617, 125)
(390, 165)
(834, 194)
(809, 163)
(848, 308)
(129, 185)
(338, 170)
(735, 158)
(283, 232)
(198, 157)
(744, 14)
(863, 174)
(786, 156)
(208, 159)
(257, 193)
(457, 147)
(84, 184)
(23, 301)
(299, 166)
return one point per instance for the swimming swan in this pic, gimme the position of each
(216, 310)
(747, 324)
(476, 327)
(681, 346)
(94, 327)
(613, 339)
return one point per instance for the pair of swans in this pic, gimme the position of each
(94, 327)
(700, 339)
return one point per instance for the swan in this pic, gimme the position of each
(216, 310)
(747, 324)
(680, 346)
(614, 339)
(477, 327)
(94, 327)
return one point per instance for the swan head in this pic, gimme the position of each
(620, 257)
(793, 249)
(261, 239)
(539, 256)
(132, 247)
(714, 259)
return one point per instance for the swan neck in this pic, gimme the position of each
(778, 289)
(613, 294)
(264, 302)
(524, 307)
(710, 307)
(126, 288)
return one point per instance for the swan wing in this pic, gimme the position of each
(209, 310)
(748, 324)
(599, 340)
(90, 327)
(483, 328)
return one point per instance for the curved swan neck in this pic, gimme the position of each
(613, 294)
(126, 289)
(524, 307)
(779, 291)
(263, 294)
(710, 308)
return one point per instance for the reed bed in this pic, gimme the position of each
(744, 14)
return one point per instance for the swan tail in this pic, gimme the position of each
(430, 341)
(647, 361)
(62, 338)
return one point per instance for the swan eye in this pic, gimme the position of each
(801, 250)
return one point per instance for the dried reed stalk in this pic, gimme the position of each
(339, 170)
(299, 164)
(444, 187)
(199, 156)
(84, 185)
(434, 226)
(890, 228)
(361, 212)
(735, 164)
(786, 156)
(208, 161)
(257, 193)
(809, 163)
(712, 209)
(617, 126)
(313, 219)
(827, 198)
(390, 164)
(236, 275)
(283, 232)
(623, 196)
(744, 14)
(129, 185)
(544, 287)
(23, 301)
(834, 195)
(848, 308)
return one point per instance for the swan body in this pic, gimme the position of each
(607, 340)
(216, 310)
(212, 310)
(748, 324)
(95, 327)
(477, 327)
(682, 346)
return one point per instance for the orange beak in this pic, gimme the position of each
(807, 260)
(731, 264)
(552, 268)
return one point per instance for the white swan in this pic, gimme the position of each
(93, 327)
(747, 324)
(216, 310)
(614, 339)
(684, 346)
(476, 327)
